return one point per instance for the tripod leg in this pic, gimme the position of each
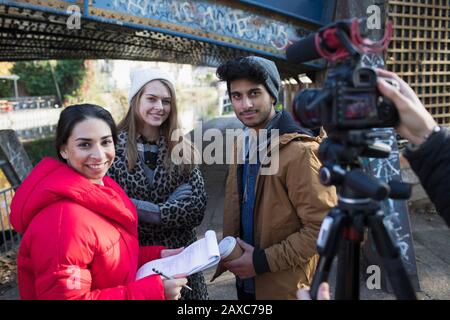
(327, 244)
(321, 274)
(347, 279)
(390, 255)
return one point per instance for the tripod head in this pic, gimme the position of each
(341, 156)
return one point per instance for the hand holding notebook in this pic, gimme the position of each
(198, 256)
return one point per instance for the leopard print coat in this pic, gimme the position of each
(179, 218)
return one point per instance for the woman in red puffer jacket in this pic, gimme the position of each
(79, 227)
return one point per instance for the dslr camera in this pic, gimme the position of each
(350, 98)
(349, 106)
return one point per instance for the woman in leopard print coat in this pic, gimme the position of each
(170, 198)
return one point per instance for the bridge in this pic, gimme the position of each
(184, 31)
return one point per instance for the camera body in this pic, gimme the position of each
(349, 100)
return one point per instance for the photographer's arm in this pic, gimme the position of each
(431, 158)
(431, 163)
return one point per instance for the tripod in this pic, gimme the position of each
(358, 208)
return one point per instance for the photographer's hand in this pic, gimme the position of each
(415, 121)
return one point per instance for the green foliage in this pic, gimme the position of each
(70, 75)
(38, 80)
(279, 107)
(36, 76)
(39, 149)
(6, 88)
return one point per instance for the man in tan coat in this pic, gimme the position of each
(275, 214)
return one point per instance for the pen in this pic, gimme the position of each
(169, 278)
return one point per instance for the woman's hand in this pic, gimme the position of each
(172, 288)
(184, 191)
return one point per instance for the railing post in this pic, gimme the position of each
(9, 238)
(86, 8)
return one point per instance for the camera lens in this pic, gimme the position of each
(309, 115)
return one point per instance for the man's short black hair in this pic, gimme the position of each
(252, 68)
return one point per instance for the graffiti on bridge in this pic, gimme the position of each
(215, 19)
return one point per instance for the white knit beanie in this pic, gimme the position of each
(140, 77)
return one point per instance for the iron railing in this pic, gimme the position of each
(9, 239)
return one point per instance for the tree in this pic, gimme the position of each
(37, 78)
(70, 75)
(6, 88)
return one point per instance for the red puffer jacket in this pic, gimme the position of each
(79, 238)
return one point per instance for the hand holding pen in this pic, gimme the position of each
(172, 286)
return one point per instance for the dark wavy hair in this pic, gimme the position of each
(74, 114)
(240, 68)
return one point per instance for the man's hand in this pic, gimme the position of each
(242, 267)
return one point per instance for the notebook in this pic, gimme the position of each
(198, 256)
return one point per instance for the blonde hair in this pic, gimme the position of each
(132, 123)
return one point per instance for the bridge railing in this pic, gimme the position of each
(31, 123)
(225, 104)
(9, 239)
(36, 102)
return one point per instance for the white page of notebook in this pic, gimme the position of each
(198, 256)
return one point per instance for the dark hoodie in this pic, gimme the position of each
(431, 163)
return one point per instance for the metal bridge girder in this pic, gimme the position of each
(195, 32)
